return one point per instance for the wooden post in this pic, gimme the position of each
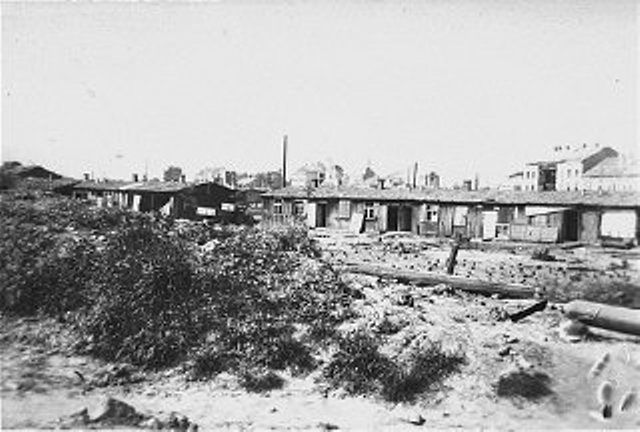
(451, 261)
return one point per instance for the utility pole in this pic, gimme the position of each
(284, 162)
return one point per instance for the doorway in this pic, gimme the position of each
(321, 215)
(404, 219)
(570, 225)
(392, 218)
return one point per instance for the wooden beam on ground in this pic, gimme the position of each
(615, 318)
(475, 286)
(537, 307)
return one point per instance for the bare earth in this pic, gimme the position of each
(41, 383)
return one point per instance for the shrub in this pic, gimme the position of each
(207, 362)
(145, 306)
(261, 382)
(522, 384)
(426, 369)
(358, 366)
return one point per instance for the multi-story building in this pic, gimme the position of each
(571, 169)
(563, 171)
(618, 173)
(539, 176)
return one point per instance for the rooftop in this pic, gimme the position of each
(492, 196)
(616, 167)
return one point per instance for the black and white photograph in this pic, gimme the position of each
(356, 215)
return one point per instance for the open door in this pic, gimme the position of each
(392, 218)
(404, 219)
(321, 215)
(571, 225)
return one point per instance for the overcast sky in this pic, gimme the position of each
(458, 86)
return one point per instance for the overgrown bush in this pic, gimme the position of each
(145, 306)
(258, 382)
(142, 291)
(425, 370)
(360, 368)
(41, 270)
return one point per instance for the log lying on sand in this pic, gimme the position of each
(476, 286)
(615, 318)
(537, 307)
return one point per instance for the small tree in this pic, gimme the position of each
(173, 173)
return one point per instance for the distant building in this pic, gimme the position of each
(514, 182)
(432, 180)
(309, 175)
(539, 176)
(176, 199)
(570, 171)
(317, 174)
(618, 173)
(218, 175)
(565, 169)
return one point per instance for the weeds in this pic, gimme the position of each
(425, 370)
(261, 382)
(543, 254)
(360, 368)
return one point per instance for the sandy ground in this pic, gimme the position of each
(40, 383)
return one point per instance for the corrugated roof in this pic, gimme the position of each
(492, 196)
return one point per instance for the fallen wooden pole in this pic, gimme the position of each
(475, 286)
(615, 318)
(538, 307)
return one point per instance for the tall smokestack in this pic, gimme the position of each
(415, 175)
(284, 162)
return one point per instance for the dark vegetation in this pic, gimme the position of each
(542, 254)
(524, 385)
(360, 368)
(153, 292)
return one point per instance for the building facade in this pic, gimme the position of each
(523, 216)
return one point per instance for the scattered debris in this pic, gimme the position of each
(115, 413)
(115, 374)
(505, 351)
(543, 255)
(415, 419)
